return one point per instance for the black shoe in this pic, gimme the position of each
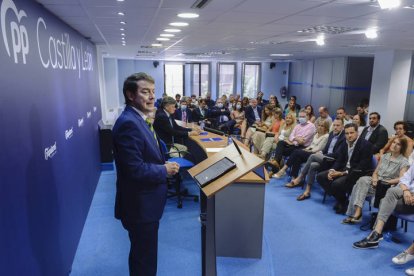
(371, 241)
(341, 210)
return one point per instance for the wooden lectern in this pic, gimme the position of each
(245, 162)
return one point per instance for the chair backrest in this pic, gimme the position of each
(164, 148)
(374, 162)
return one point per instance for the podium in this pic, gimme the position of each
(214, 197)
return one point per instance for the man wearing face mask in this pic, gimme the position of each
(301, 137)
(219, 114)
(183, 113)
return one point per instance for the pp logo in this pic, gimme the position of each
(19, 38)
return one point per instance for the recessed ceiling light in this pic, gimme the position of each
(121, 13)
(179, 24)
(162, 39)
(167, 35)
(120, 0)
(371, 33)
(122, 34)
(122, 29)
(188, 15)
(320, 40)
(156, 45)
(389, 4)
(280, 55)
(172, 30)
(123, 38)
(409, 7)
(123, 22)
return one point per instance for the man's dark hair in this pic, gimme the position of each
(168, 100)
(375, 113)
(340, 119)
(131, 83)
(343, 108)
(404, 124)
(355, 126)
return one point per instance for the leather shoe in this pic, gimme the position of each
(371, 241)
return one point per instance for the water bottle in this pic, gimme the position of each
(229, 140)
(201, 123)
(388, 236)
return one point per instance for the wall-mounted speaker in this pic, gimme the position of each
(156, 63)
(272, 65)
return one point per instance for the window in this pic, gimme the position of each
(251, 79)
(226, 79)
(174, 79)
(200, 79)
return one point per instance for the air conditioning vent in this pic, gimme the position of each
(199, 4)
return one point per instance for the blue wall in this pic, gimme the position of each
(49, 165)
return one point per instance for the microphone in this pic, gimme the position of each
(215, 131)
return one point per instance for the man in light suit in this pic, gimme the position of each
(141, 188)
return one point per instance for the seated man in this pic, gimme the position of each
(219, 115)
(183, 113)
(341, 114)
(260, 101)
(389, 170)
(323, 115)
(167, 129)
(375, 133)
(399, 198)
(209, 102)
(317, 162)
(301, 137)
(354, 160)
(200, 113)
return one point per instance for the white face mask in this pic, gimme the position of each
(183, 107)
(302, 121)
(220, 105)
(238, 106)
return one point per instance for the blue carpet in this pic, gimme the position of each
(300, 238)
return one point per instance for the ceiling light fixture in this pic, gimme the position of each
(188, 15)
(178, 24)
(162, 39)
(156, 45)
(371, 33)
(280, 55)
(122, 29)
(320, 40)
(167, 35)
(121, 13)
(123, 38)
(122, 34)
(123, 22)
(389, 4)
(120, 0)
(172, 30)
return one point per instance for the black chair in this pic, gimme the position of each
(174, 182)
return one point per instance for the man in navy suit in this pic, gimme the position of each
(183, 113)
(253, 113)
(141, 188)
(353, 161)
(375, 133)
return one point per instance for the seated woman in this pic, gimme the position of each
(284, 132)
(259, 137)
(299, 156)
(291, 108)
(263, 126)
(400, 128)
(399, 198)
(236, 117)
(359, 121)
(389, 170)
(311, 114)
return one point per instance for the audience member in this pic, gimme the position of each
(253, 113)
(318, 162)
(405, 257)
(311, 114)
(400, 128)
(323, 115)
(354, 160)
(299, 156)
(284, 132)
(237, 117)
(209, 102)
(274, 99)
(358, 120)
(201, 112)
(183, 113)
(297, 106)
(341, 114)
(263, 125)
(375, 133)
(168, 130)
(399, 198)
(389, 170)
(259, 137)
(260, 101)
(219, 115)
(291, 108)
(301, 137)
